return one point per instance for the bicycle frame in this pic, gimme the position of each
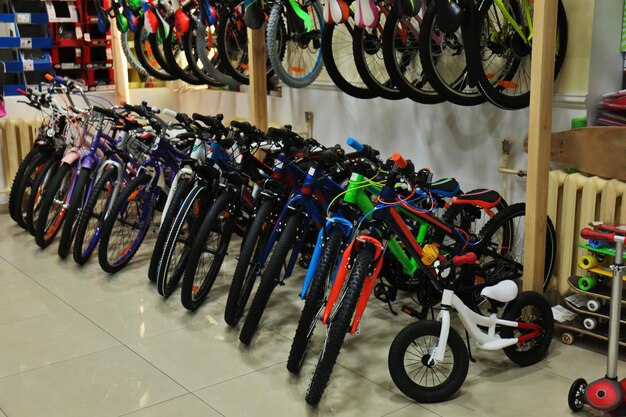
(472, 321)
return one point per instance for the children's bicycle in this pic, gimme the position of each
(428, 360)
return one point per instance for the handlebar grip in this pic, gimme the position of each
(355, 144)
(170, 113)
(587, 233)
(468, 258)
(107, 112)
(22, 92)
(49, 77)
(398, 160)
(59, 80)
(245, 126)
(155, 110)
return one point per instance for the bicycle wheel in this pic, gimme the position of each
(339, 325)
(23, 182)
(126, 40)
(248, 269)
(295, 53)
(182, 189)
(529, 307)
(502, 67)
(315, 300)
(409, 366)
(270, 278)
(367, 49)
(504, 235)
(146, 55)
(190, 44)
(92, 216)
(206, 48)
(339, 60)
(401, 45)
(74, 208)
(172, 48)
(444, 62)
(126, 225)
(40, 185)
(208, 251)
(52, 212)
(180, 234)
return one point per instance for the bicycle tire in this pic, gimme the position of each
(211, 66)
(74, 207)
(438, 58)
(245, 277)
(23, 183)
(404, 340)
(131, 57)
(154, 69)
(270, 278)
(314, 301)
(45, 231)
(533, 350)
(192, 295)
(486, 81)
(41, 183)
(128, 252)
(168, 276)
(354, 87)
(373, 71)
(80, 253)
(339, 325)
(182, 189)
(506, 219)
(191, 53)
(401, 59)
(276, 50)
(170, 42)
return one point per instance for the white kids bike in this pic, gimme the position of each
(428, 360)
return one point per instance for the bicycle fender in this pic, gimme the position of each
(368, 286)
(340, 278)
(88, 161)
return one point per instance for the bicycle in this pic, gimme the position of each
(524, 332)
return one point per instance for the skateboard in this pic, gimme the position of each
(576, 327)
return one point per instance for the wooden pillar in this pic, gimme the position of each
(258, 81)
(120, 66)
(539, 131)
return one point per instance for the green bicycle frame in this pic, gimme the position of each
(301, 14)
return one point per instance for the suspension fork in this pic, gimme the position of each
(342, 274)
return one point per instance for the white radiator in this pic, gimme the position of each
(573, 201)
(16, 140)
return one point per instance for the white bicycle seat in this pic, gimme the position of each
(503, 291)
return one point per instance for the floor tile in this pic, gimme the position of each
(145, 314)
(205, 354)
(9, 274)
(108, 383)
(20, 300)
(65, 335)
(357, 395)
(25, 255)
(186, 406)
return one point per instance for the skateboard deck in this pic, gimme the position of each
(599, 291)
(603, 313)
(617, 228)
(605, 251)
(576, 326)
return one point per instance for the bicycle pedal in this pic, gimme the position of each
(410, 311)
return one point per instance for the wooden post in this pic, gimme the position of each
(539, 131)
(258, 80)
(120, 66)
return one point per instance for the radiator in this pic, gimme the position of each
(16, 140)
(573, 201)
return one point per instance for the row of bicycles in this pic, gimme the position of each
(359, 225)
(462, 51)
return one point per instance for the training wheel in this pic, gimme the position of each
(567, 338)
(576, 396)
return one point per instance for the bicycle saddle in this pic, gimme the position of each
(481, 197)
(336, 12)
(503, 291)
(445, 187)
(254, 16)
(366, 14)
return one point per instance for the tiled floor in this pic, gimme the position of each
(78, 342)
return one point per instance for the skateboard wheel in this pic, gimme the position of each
(594, 305)
(587, 262)
(590, 323)
(587, 283)
(567, 338)
(597, 244)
